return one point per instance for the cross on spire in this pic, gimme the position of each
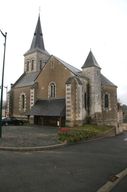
(39, 10)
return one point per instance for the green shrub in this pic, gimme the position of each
(75, 135)
(81, 133)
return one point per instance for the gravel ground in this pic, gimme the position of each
(28, 136)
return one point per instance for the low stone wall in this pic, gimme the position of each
(124, 125)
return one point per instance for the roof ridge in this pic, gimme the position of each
(106, 81)
(69, 66)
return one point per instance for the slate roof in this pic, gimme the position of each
(26, 79)
(52, 107)
(70, 67)
(90, 61)
(105, 81)
(37, 42)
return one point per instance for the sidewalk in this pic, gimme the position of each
(28, 136)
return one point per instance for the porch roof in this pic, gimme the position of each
(52, 107)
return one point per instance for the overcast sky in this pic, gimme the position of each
(70, 29)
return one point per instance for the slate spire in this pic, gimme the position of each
(37, 41)
(90, 61)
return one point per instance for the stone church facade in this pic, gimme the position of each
(52, 92)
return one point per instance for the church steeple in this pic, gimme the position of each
(37, 42)
(92, 71)
(90, 61)
(36, 56)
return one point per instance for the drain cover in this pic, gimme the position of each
(113, 178)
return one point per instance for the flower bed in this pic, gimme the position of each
(81, 133)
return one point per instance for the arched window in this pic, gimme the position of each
(52, 90)
(23, 101)
(106, 101)
(32, 65)
(40, 64)
(27, 66)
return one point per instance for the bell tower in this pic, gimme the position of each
(92, 71)
(36, 57)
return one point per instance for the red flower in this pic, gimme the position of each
(64, 130)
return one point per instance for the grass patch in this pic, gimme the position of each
(85, 132)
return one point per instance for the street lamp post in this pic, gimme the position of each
(6, 87)
(2, 81)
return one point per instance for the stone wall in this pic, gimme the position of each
(93, 74)
(54, 72)
(18, 111)
(109, 115)
(39, 59)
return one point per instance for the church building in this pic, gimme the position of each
(53, 92)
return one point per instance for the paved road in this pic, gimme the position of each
(75, 168)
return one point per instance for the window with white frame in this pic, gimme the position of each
(22, 102)
(52, 90)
